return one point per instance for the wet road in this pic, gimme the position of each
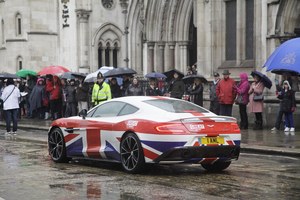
(26, 172)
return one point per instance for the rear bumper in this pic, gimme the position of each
(195, 154)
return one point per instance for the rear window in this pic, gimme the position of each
(176, 106)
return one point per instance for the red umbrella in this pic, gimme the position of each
(54, 70)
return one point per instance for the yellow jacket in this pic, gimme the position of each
(101, 94)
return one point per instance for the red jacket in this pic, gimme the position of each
(225, 91)
(53, 87)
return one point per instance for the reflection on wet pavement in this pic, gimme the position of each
(28, 173)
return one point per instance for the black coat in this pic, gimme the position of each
(82, 93)
(36, 97)
(115, 90)
(71, 94)
(287, 100)
(196, 94)
(153, 92)
(177, 88)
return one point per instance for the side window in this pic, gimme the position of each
(128, 109)
(110, 109)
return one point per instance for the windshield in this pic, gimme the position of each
(176, 106)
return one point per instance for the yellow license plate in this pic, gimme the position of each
(212, 140)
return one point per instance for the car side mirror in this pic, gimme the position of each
(83, 113)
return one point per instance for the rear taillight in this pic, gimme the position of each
(235, 127)
(172, 128)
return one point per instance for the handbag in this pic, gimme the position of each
(258, 97)
(2, 102)
(239, 99)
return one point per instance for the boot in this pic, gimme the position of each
(255, 125)
(258, 125)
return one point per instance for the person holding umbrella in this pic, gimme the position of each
(115, 88)
(53, 87)
(82, 94)
(176, 87)
(196, 92)
(214, 102)
(256, 106)
(101, 90)
(287, 105)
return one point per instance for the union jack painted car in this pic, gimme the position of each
(139, 130)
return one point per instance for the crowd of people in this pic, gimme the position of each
(51, 97)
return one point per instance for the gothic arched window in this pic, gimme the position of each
(20, 62)
(18, 24)
(108, 4)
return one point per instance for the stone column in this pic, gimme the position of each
(171, 55)
(103, 56)
(161, 57)
(124, 5)
(150, 56)
(111, 56)
(183, 55)
(83, 53)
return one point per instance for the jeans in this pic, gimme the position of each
(11, 115)
(226, 109)
(71, 109)
(289, 120)
(278, 119)
(215, 107)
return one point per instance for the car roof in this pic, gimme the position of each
(136, 99)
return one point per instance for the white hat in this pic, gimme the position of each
(286, 82)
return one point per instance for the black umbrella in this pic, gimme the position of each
(190, 79)
(119, 71)
(72, 75)
(285, 71)
(267, 82)
(170, 74)
(67, 75)
(6, 75)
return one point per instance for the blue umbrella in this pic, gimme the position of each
(267, 82)
(155, 75)
(286, 58)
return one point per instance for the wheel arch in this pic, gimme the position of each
(52, 128)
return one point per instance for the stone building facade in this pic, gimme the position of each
(146, 35)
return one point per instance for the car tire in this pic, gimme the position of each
(56, 146)
(131, 154)
(216, 167)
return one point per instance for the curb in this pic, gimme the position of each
(267, 150)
